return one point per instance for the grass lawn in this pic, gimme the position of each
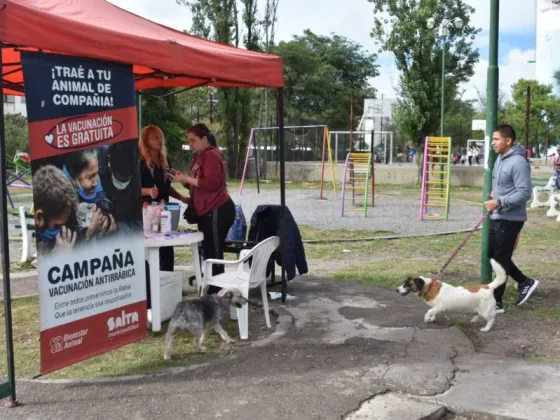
(18, 267)
(531, 331)
(382, 263)
(233, 185)
(386, 262)
(140, 357)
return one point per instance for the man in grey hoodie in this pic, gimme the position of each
(511, 189)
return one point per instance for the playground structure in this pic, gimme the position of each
(18, 172)
(327, 146)
(435, 178)
(358, 180)
(360, 140)
(358, 173)
(302, 142)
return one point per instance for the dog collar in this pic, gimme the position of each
(224, 301)
(432, 284)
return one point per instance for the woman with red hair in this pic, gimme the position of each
(155, 173)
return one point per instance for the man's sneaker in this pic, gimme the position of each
(525, 290)
(499, 308)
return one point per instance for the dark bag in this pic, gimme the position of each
(190, 213)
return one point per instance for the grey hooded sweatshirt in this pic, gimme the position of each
(511, 184)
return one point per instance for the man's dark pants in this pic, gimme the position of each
(503, 234)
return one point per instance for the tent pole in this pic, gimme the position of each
(5, 250)
(139, 111)
(256, 156)
(282, 158)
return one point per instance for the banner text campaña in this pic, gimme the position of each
(79, 272)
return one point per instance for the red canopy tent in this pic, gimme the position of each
(161, 57)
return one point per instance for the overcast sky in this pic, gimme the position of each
(353, 19)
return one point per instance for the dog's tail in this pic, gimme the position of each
(501, 275)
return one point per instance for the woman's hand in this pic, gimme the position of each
(192, 181)
(154, 192)
(181, 177)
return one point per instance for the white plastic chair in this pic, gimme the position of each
(244, 280)
(549, 189)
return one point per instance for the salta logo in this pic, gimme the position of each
(124, 320)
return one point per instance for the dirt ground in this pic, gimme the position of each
(258, 330)
(518, 333)
(530, 331)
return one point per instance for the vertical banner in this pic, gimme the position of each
(83, 140)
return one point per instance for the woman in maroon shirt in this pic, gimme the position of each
(214, 210)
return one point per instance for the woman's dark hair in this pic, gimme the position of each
(201, 130)
(78, 161)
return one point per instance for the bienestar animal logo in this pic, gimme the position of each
(124, 320)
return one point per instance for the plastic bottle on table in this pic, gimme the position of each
(146, 219)
(154, 217)
(165, 219)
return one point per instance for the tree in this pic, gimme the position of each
(323, 73)
(167, 114)
(17, 139)
(198, 104)
(221, 21)
(418, 56)
(269, 30)
(214, 19)
(459, 122)
(544, 111)
(502, 102)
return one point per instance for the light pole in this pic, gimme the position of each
(491, 121)
(444, 28)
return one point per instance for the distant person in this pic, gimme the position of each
(511, 189)
(556, 167)
(455, 158)
(477, 154)
(556, 161)
(463, 155)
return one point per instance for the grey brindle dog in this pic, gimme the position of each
(198, 314)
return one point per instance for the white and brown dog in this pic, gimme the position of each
(444, 297)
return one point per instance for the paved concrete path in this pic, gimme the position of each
(352, 351)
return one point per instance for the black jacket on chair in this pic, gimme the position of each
(266, 222)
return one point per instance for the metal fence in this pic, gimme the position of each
(383, 146)
(305, 144)
(302, 144)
